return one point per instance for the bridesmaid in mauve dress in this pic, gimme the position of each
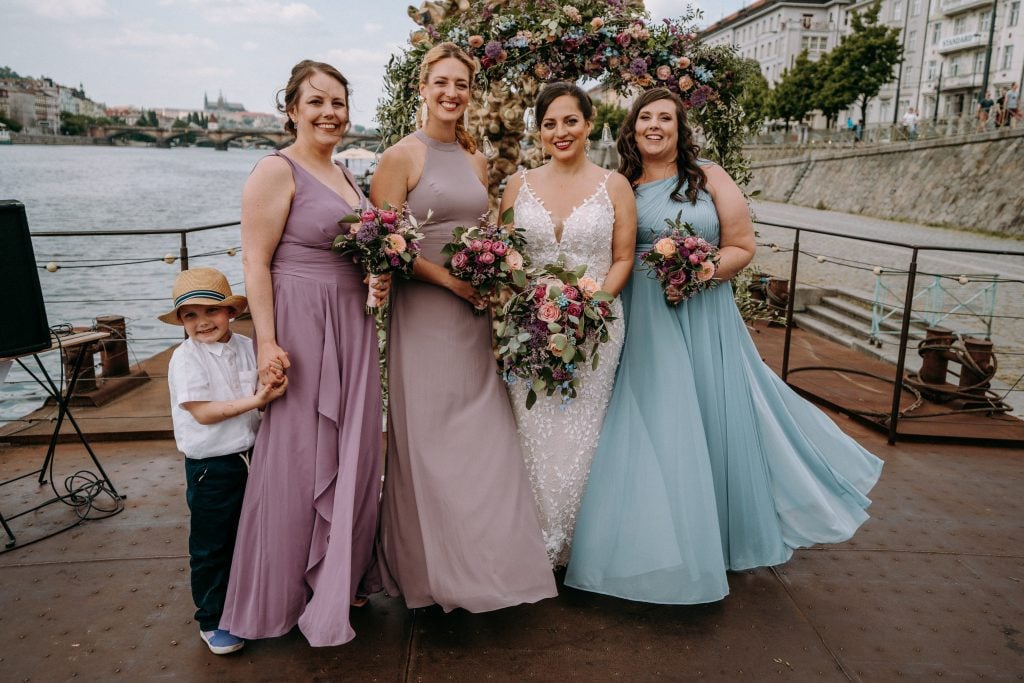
(304, 549)
(458, 523)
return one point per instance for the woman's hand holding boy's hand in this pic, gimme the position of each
(271, 362)
(268, 392)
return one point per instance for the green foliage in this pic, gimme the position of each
(151, 119)
(10, 123)
(755, 93)
(79, 124)
(864, 60)
(141, 121)
(607, 113)
(8, 72)
(794, 94)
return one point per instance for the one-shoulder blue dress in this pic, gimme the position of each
(707, 460)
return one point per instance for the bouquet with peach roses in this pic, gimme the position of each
(682, 261)
(382, 241)
(490, 257)
(546, 331)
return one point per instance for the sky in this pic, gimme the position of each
(167, 53)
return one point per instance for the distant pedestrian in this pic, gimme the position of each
(858, 131)
(985, 104)
(1012, 106)
(909, 123)
(214, 402)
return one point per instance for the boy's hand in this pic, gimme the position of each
(269, 392)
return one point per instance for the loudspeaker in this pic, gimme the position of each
(23, 327)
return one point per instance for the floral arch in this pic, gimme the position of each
(520, 44)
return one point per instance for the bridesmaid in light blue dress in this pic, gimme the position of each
(707, 460)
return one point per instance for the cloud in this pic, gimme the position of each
(250, 46)
(67, 9)
(256, 12)
(146, 38)
(372, 27)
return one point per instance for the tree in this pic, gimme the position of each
(151, 119)
(755, 97)
(864, 60)
(794, 94)
(8, 72)
(830, 97)
(141, 121)
(607, 113)
(10, 123)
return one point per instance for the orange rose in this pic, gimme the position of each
(476, 41)
(588, 285)
(665, 246)
(707, 271)
(685, 83)
(683, 62)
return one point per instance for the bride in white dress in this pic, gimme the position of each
(575, 212)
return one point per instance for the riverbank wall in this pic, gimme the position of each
(32, 139)
(974, 182)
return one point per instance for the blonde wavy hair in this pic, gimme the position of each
(433, 56)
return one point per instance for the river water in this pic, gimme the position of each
(84, 189)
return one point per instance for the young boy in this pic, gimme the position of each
(214, 402)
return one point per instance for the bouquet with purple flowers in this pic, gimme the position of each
(542, 331)
(381, 241)
(682, 261)
(488, 256)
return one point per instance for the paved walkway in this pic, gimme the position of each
(932, 586)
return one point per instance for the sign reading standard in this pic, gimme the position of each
(959, 41)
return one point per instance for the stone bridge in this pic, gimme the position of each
(220, 138)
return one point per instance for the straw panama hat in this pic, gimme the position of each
(203, 286)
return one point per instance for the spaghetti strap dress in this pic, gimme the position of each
(305, 544)
(458, 522)
(707, 460)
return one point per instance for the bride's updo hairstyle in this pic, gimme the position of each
(631, 163)
(302, 72)
(552, 91)
(433, 56)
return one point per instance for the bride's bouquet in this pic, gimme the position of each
(488, 256)
(547, 331)
(382, 241)
(682, 261)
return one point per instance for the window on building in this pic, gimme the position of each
(954, 67)
(1014, 14)
(897, 10)
(915, 8)
(912, 40)
(983, 21)
(931, 70)
(959, 25)
(979, 62)
(936, 32)
(806, 20)
(1007, 56)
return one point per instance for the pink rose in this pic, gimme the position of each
(395, 244)
(623, 39)
(476, 245)
(549, 312)
(690, 243)
(677, 278)
(596, 23)
(499, 248)
(571, 293)
(707, 271)
(388, 217)
(683, 62)
(476, 41)
(695, 258)
(485, 257)
(588, 285)
(368, 216)
(460, 260)
(685, 83)
(665, 246)
(486, 245)
(664, 72)
(514, 259)
(574, 309)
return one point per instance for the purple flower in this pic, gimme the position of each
(638, 67)
(367, 233)
(493, 49)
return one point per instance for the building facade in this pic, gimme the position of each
(946, 45)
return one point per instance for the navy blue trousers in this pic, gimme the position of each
(215, 487)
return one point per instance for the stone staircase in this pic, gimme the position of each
(845, 318)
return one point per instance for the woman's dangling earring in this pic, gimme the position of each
(465, 118)
(586, 147)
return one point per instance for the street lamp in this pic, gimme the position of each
(903, 57)
(988, 49)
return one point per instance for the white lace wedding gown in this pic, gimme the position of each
(559, 440)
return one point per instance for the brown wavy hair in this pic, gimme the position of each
(300, 73)
(631, 163)
(433, 56)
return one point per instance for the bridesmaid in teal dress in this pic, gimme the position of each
(707, 461)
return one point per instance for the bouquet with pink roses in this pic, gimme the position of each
(382, 241)
(488, 256)
(546, 331)
(682, 261)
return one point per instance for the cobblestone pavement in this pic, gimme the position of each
(848, 265)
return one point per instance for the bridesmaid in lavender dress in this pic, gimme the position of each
(305, 542)
(458, 522)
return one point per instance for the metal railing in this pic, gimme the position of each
(907, 309)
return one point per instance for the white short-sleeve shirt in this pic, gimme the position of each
(213, 372)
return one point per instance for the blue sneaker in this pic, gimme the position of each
(221, 642)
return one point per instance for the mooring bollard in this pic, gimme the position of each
(975, 380)
(87, 373)
(114, 349)
(935, 355)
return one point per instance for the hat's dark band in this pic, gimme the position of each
(199, 294)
